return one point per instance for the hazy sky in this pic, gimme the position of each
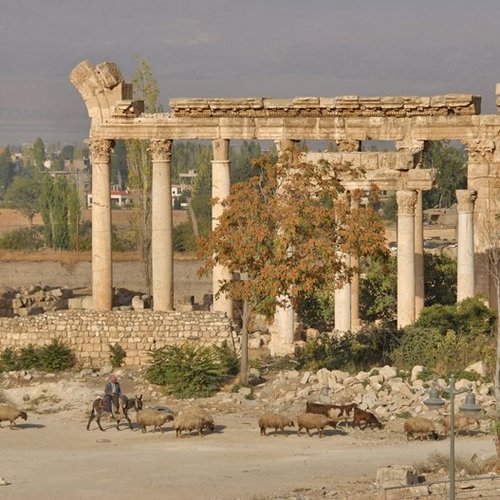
(240, 48)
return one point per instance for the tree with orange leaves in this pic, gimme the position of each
(284, 230)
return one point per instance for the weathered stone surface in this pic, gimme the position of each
(396, 475)
(478, 368)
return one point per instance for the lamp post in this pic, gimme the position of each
(468, 408)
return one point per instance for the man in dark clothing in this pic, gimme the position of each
(112, 393)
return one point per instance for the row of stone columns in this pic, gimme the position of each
(409, 227)
(410, 266)
(162, 225)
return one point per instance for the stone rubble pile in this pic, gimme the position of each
(387, 393)
(36, 299)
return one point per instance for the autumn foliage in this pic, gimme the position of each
(285, 229)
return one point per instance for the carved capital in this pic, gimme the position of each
(411, 145)
(466, 199)
(480, 150)
(161, 149)
(348, 146)
(407, 200)
(100, 150)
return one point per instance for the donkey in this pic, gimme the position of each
(104, 405)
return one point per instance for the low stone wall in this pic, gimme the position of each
(89, 333)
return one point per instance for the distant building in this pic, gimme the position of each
(119, 197)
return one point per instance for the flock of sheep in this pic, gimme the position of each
(316, 417)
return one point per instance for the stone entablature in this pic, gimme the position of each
(391, 171)
(395, 106)
(89, 333)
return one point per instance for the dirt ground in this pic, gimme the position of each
(53, 456)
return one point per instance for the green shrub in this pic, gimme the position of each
(22, 239)
(228, 359)
(268, 363)
(316, 310)
(116, 355)
(56, 357)
(186, 370)
(184, 239)
(352, 352)
(9, 360)
(29, 358)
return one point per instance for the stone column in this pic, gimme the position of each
(483, 170)
(355, 320)
(221, 185)
(343, 294)
(102, 269)
(465, 238)
(416, 148)
(283, 327)
(406, 257)
(419, 254)
(162, 227)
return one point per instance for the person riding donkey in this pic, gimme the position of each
(112, 394)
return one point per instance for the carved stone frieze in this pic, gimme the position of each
(100, 150)
(480, 150)
(161, 149)
(407, 200)
(412, 145)
(466, 199)
(341, 106)
(348, 146)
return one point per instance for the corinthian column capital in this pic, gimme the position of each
(466, 199)
(161, 149)
(480, 150)
(407, 200)
(100, 150)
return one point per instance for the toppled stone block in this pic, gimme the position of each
(396, 475)
(75, 303)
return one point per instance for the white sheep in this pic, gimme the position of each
(188, 422)
(11, 414)
(276, 421)
(156, 418)
(462, 424)
(197, 411)
(310, 421)
(419, 425)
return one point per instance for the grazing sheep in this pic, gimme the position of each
(197, 411)
(365, 416)
(11, 414)
(420, 425)
(310, 421)
(155, 418)
(189, 422)
(462, 424)
(270, 420)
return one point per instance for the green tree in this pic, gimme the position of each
(140, 167)
(74, 216)
(451, 174)
(38, 153)
(68, 152)
(283, 229)
(7, 171)
(23, 195)
(378, 294)
(241, 161)
(46, 204)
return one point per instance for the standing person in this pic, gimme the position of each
(112, 392)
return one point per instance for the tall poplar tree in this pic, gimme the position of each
(140, 168)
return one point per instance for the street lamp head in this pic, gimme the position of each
(434, 402)
(469, 407)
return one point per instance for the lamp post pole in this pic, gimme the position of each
(452, 437)
(468, 408)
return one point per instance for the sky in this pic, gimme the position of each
(236, 48)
